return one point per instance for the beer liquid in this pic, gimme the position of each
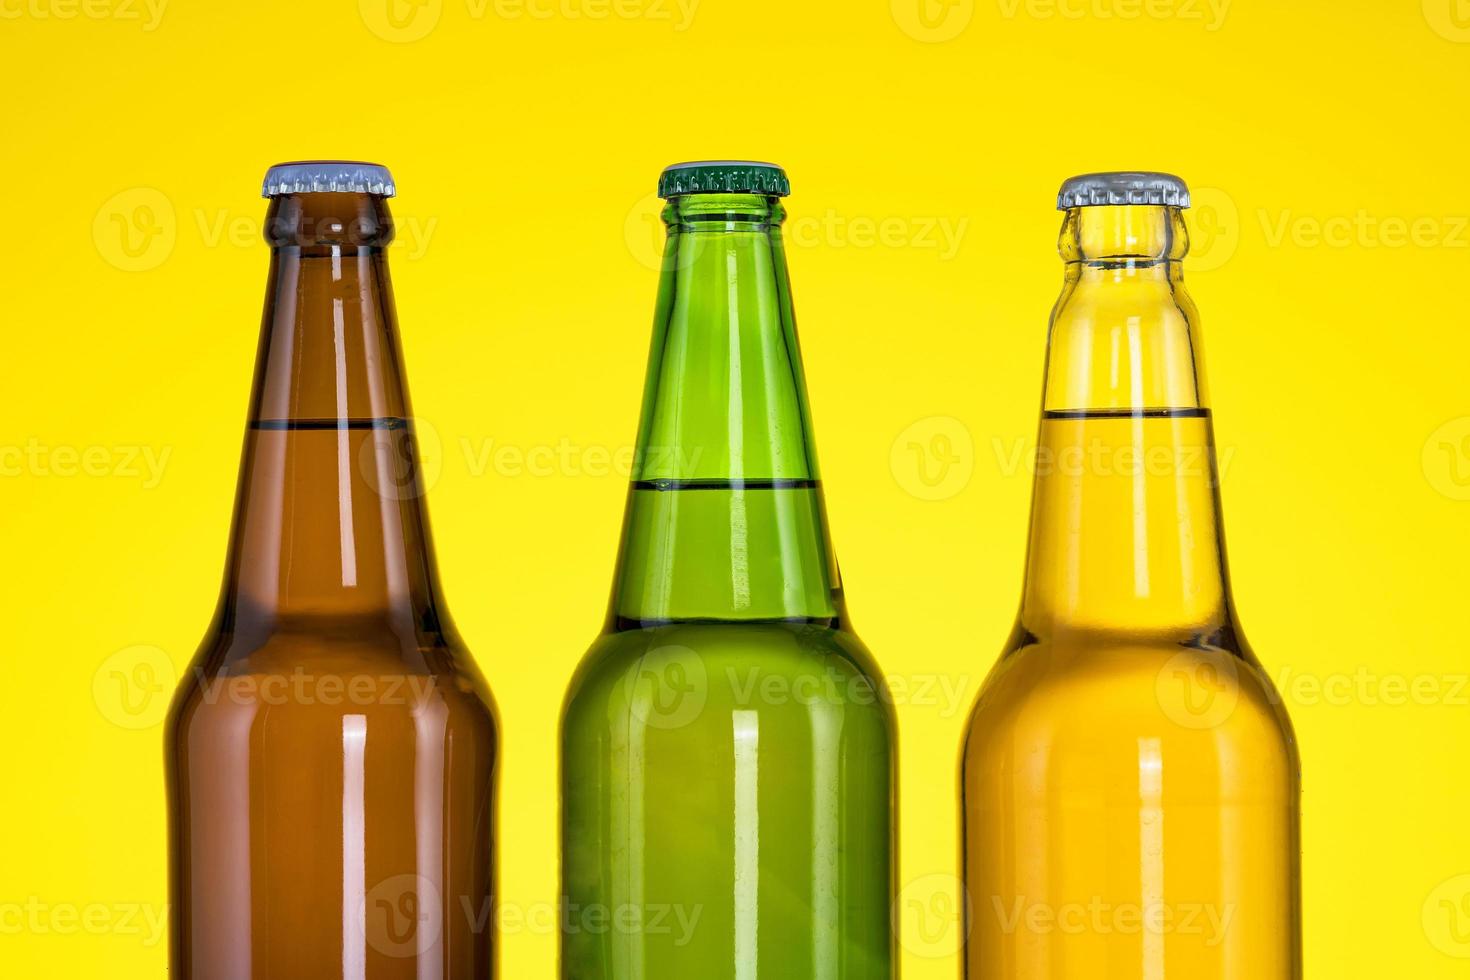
(1127, 783)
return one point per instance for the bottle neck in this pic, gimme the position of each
(1125, 524)
(725, 519)
(329, 522)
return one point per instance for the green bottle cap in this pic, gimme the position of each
(724, 177)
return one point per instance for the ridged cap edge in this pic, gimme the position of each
(1123, 187)
(328, 176)
(724, 177)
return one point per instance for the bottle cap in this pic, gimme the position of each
(328, 176)
(1123, 187)
(724, 177)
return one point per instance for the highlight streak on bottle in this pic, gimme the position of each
(1151, 853)
(739, 535)
(344, 446)
(826, 835)
(354, 847)
(747, 843)
(1140, 487)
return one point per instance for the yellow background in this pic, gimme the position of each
(925, 145)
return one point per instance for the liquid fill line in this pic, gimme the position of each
(747, 844)
(354, 847)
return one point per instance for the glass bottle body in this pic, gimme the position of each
(1129, 780)
(727, 742)
(331, 752)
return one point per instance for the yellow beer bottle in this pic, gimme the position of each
(1130, 779)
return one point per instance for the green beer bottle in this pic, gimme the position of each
(727, 742)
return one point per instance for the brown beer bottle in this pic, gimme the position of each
(331, 753)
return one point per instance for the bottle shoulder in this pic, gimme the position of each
(325, 671)
(746, 666)
(1084, 690)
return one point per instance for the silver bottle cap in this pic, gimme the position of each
(1123, 187)
(319, 176)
